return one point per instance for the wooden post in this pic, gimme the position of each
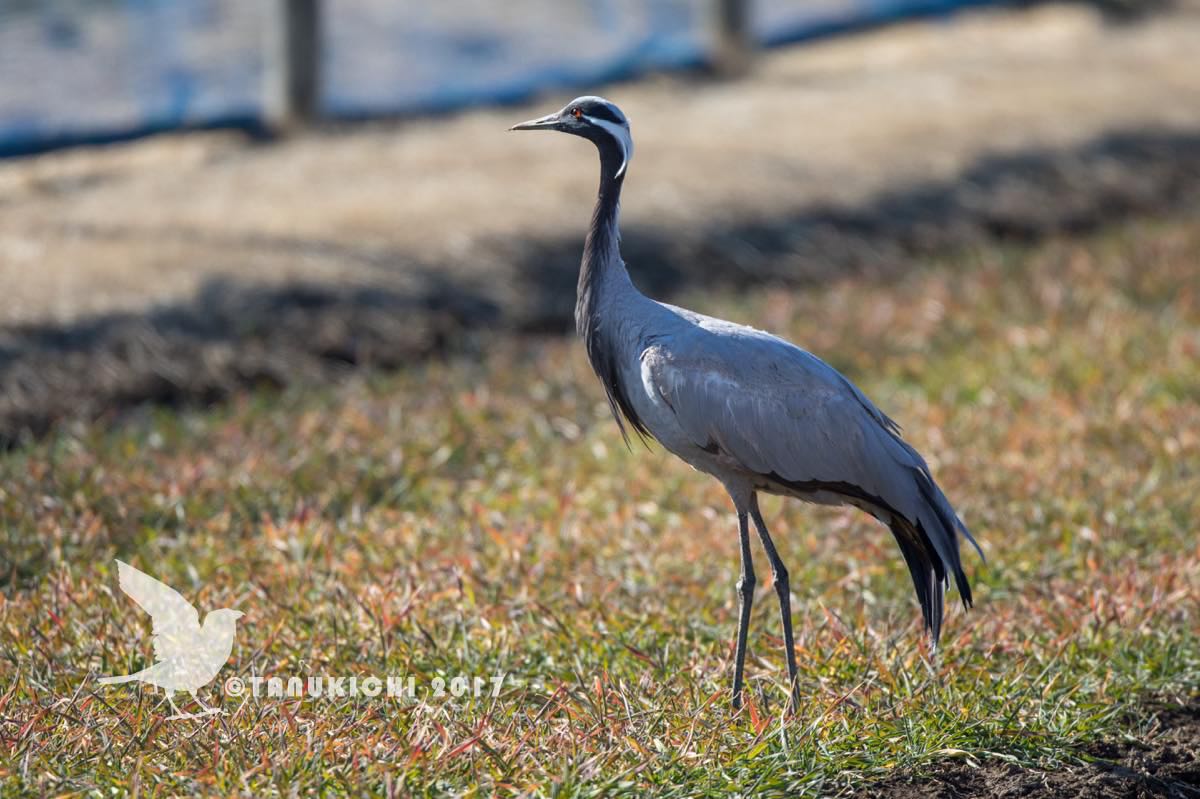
(733, 42)
(292, 64)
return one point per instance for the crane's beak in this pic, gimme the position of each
(548, 122)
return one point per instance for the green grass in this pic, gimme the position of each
(481, 517)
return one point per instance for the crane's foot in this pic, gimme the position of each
(794, 704)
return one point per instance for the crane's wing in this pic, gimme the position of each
(176, 621)
(782, 413)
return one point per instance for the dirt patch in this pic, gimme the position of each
(1165, 762)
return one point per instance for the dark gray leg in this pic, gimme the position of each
(745, 592)
(783, 591)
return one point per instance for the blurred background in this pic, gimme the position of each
(198, 196)
(82, 70)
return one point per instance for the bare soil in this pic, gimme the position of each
(1165, 762)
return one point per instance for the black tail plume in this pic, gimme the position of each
(927, 570)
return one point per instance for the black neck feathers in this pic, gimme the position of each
(601, 257)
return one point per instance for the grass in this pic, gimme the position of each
(481, 517)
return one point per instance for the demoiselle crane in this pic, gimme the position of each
(754, 411)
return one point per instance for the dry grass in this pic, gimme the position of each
(480, 517)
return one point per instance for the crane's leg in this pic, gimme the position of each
(745, 592)
(783, 590)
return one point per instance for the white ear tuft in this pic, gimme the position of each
(623, 137)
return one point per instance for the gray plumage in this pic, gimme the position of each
(755, 411)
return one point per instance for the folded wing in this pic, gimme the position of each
(781, 413)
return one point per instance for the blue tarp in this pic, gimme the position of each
(78, 71)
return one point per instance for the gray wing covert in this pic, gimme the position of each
(780, 412)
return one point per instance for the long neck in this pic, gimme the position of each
(601, 250)
(605, 291)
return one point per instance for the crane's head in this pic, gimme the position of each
(593, 118)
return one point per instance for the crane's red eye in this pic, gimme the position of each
(575, 112)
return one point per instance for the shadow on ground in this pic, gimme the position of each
(1164, 763)
(234, 335)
